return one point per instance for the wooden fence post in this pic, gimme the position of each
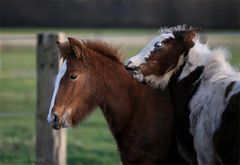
(50, 144)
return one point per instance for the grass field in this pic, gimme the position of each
(90, 143)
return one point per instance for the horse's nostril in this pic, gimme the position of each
(130, 67)
(55, 118)
(55, 121)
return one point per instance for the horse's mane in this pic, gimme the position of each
(216, 61)
(97, 46)
(218, 66)
(104, 49)
(174, 28)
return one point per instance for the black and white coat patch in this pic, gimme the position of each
(211, 99)
(209, 103)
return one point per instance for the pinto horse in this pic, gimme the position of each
(140, 118)
(205, 91)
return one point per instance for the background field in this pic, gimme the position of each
(89, 143)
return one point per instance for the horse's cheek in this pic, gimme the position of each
(146, 69)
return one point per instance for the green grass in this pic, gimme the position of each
(18, 79)
(235, 57)
(17, 140)
(17, 63)
(92, 143)
(17, 95)
(89, 143)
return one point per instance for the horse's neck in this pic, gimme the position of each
(182, 91)
(191, 71)
(124, 101)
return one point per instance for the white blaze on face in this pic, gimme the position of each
(61, 72)
(139, 59)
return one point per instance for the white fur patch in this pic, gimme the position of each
(61, 72)
(209, 103)
(198, 55)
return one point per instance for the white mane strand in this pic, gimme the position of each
(174, 28)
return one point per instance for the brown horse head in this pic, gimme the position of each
(140, 118)
(75, 87)
(163, 56)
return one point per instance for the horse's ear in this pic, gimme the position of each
(77, 46)
(186, 35)
(63, 48)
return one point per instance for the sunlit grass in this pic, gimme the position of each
(89, 143)
(17, 62)
(92, 143)
(17, 140)
(17, 95)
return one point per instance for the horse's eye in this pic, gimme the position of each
(73, 76)
(157, 45)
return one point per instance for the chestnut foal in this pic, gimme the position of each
(140, 118)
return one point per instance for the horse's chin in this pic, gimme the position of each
(64, 124)
(56, 127)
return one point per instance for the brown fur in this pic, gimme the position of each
(140, 119)
(164, 59)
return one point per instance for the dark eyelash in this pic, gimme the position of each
(73, 77)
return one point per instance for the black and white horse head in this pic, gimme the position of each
(162, 56)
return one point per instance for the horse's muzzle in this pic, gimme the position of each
(130, 66)
(135, 72)
(56, 122)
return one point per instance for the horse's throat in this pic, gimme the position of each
(117, 117)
